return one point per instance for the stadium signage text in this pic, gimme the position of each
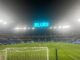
(41, 24)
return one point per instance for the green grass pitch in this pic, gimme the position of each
(66, 51)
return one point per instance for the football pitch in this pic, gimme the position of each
(66, 51)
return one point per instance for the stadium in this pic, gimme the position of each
(39, 29)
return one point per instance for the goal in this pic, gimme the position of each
(2, 54)
(27, 53)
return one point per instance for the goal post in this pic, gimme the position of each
(27, 53)
(2, 55)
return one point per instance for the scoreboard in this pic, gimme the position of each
(41, 24)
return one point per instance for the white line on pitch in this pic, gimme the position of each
(73, 57)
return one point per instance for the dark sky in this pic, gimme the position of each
(31, 10)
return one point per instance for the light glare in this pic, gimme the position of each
(33, 28)
(1, 21)
(66, 26)
(50, 28)
(5, 23)
(55, 27)
(78, 20)
(24, 28)
(59, 27)
(20, 28)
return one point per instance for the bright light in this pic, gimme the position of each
(59, 27)
(50, 28)
(24, 28)
(54, 27)
(78, 20)
(28, 28)
(20, 28)
(3, 22)
(33, 28)
(63, 27)
(16, 28)
(41, 24)
(66, 26)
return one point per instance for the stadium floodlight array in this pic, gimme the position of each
(64, 27)
(23, 28)
(27, 53)
(61, 27)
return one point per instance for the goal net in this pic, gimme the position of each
(2, 54)
(28, 53)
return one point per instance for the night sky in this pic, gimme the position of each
(29, 11)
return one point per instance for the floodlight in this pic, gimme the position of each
(16, 28)
(33, 28)
(20, 28)
(24, 28)
(54, 27)
(78, 20)
(1, 21)
(4, 23)
(66, 26)
(50, 28)
(59, 27)
(28, 28)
